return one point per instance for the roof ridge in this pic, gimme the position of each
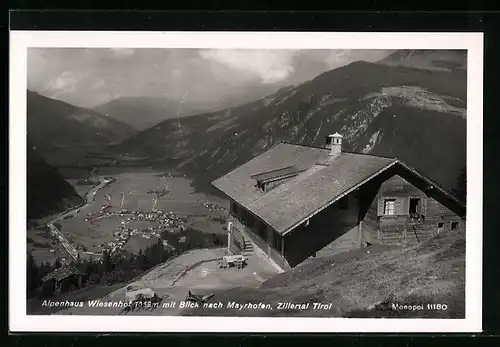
(372, 155)
(348, 152)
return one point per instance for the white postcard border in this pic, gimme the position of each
(19, 42)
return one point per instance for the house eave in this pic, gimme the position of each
(432, 184)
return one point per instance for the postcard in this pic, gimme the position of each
(245, 181)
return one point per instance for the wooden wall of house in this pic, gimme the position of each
(276, 256)
(334, 229)
(344, 243)
(259, 233)
(265, 239)
(368, 212)
(257, 238)
(399, 228)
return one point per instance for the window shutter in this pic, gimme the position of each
(398, 208)
(380, 209)
(423, 207)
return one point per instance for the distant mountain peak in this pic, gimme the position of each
(57, 126)
(429, 59)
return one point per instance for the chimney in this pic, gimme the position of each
(334, 143)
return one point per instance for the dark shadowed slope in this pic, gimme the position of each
(55, 126)
(414, 114)
(47, 191)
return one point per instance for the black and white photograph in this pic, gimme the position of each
(272, 178)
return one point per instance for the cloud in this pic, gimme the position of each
(337, 58)
(122, 53)
(270, 66)
(91, 76)
(177, 73)
(65, 82)
(99, 84)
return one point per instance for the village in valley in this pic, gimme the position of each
(120, 225)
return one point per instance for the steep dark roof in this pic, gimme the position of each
(324, 179)
(61, 273)
(239, 184)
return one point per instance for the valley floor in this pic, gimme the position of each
(202, 212)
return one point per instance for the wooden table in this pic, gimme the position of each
(233, 260)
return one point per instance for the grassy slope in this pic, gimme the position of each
(355, 282)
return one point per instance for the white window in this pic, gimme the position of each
(389, 207)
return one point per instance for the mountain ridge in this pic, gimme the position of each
(144, 112)
(59, 129)
(380, 109)
(439, 60)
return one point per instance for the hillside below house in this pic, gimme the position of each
(63, 133)
(361, 283)
(364, 283)
(393, 111)
(47, 191)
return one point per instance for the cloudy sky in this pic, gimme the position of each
(89, 77)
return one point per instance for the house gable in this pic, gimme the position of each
(424, 185)
(401, 212)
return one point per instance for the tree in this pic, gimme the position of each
(107, 262)
(44, 269)
(141, 261)
(57, 263)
